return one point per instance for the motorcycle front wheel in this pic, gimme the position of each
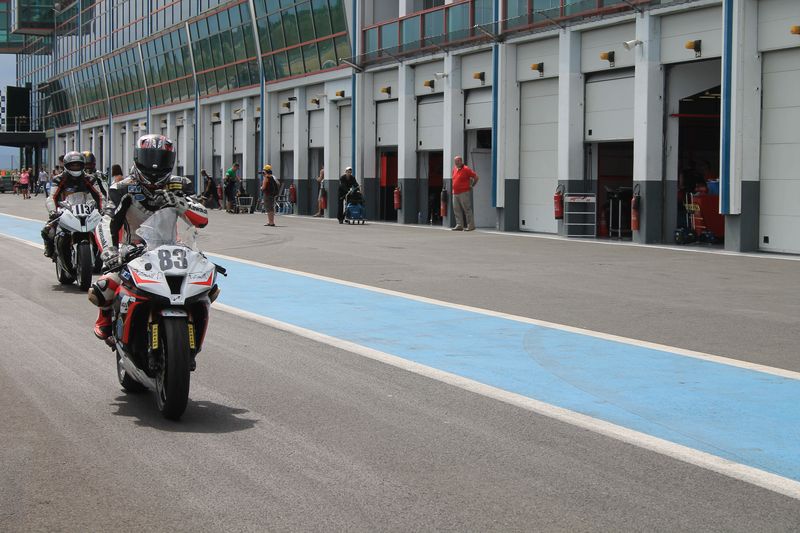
(84, 267)
(172, 380)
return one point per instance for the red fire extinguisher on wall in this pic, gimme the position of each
(292, 194)
(323, 200)
(443, 203)
(397, 197)
(636, 202)
(558, 203)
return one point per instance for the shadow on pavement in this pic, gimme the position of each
(199, 417)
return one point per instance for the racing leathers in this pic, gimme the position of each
(127, 207)
(63, 186)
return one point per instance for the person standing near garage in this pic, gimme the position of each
(464, 179)
(346, 182)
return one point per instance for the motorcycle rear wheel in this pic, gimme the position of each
(84, 267)
(172, 381)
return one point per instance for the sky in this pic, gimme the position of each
(8, 76)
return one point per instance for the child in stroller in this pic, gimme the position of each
(354, 206)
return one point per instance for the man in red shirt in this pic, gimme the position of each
(464, 179)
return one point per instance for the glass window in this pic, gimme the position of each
(276, 32)
(213, 24)
(371, 40)
(273, 5)
(249, 41)
(296, 65)
(228, 52)
(483, 12)
(281, 65)
(311, 57)
(236, 16)
(290, 31)
(216, 48)
(458, 21)
(233, 81)
(322, 18)
(305, 22)
(240, 51)
(389, 38)
(202, 28)
(327, 54)
(411, 32)
(243, 75)
(269, 68)
(254, 73)
(222, 80)
(199, 57)
(338, 18)
(263, 35)
(343, 49)
(224, 20)
(260, 8)
(434, 26)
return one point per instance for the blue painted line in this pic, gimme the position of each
(742, 415)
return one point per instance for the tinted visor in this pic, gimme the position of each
(155, 162)
(75, 166)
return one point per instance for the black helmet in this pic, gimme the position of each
(90, 161)
(74, 163)
(153, 159)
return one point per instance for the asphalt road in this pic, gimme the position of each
(283, 433)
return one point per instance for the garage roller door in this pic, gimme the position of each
(779, 228)
(316, 136)
(430, 120)
(609, 107)
(238, 136)
(538, 155)
(478, 109)
(287, 133)
(387, 123)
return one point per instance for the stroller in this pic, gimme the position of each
(354, 210)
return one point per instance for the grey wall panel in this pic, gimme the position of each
(345, 141)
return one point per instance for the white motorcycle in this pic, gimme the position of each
(76, 251)
(161, 309)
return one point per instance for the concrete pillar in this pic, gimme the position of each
(407, 146)
(743, 192)
(648, 128)
(204, 132)
(453, 125)
(508, 140)
(365, 166)
(130, 139)
(225, 145)
(570, 115)
(331, 160)
(271, 131)
(249, 149)
(300, 161)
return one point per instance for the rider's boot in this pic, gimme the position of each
(49, 246)
(102, 327)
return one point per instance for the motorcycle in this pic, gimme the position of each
(76, 251)
(161, 310)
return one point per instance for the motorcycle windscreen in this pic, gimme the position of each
(167, 228)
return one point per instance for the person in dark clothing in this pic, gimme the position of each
(210, 189)
(346, 182)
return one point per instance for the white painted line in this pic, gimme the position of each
(525, 320)
(23, 241)
(781, 485)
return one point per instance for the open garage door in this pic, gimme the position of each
(538, 155)
(609, 107)
(430, 123)
(779, 228)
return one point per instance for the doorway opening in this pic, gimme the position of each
(387, 168)
(479, 159)
(430, 172)
(316, 158)
(614, 171)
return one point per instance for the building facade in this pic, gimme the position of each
(602, 99)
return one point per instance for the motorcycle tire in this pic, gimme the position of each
(84, 267)
(127, 382)
(63, 277)
(172, 380)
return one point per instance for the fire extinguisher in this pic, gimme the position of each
(558, 202)
(219, 192)
(636, 202)
(323, 200)
(397, 197)
(443, 203)
(292, 194)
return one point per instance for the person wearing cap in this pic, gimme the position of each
(210, 189)
(270, 188)
(231, 182)
(346, 182)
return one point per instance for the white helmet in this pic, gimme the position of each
(74, 163)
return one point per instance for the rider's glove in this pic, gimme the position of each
(168, 199)
(110, 257)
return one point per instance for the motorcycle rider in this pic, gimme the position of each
(72, 180)
(98, 178)
(150, 187)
